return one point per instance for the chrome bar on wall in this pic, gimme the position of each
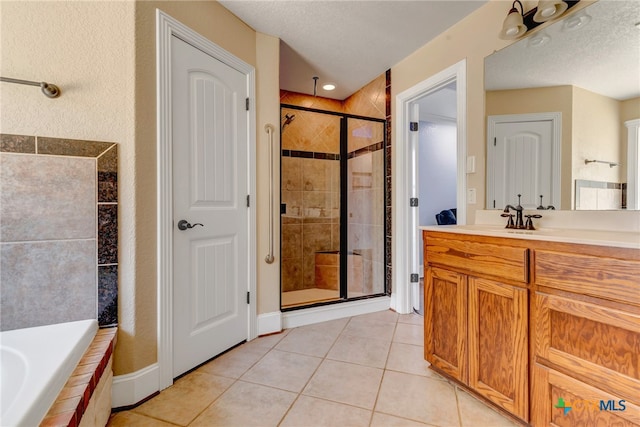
(611, 164)
(48, 89)
(270, 129)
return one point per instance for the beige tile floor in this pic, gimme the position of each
(365, 370)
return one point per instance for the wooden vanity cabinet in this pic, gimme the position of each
(495, 307)
(587, 337)
(476, 315)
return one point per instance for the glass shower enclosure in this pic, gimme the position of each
(332, 207)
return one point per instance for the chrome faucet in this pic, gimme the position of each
(542, 208)
(519, 209)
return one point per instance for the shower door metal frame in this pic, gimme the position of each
(343, 207)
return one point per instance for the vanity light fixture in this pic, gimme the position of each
(577, 21)
(539, 39)
(513, 26)
(517, 23)
(549, 9)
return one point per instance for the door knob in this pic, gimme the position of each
(183, 224)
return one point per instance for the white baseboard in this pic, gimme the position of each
(131, 388)
(307, 316)
(269, 323)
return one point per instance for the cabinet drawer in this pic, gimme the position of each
(559, 400)
(488, 259)
(601, 277)
(598, 344)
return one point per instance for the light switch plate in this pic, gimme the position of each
(471, 164)
(471, 196)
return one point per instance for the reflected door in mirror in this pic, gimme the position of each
(520, 159)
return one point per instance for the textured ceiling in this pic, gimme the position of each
(348, 43)
(602, 56)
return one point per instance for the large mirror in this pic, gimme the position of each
(585, 67)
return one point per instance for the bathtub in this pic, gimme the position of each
(35, 364)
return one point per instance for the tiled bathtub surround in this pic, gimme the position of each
(58, 233)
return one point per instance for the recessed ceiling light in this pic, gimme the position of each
(328, 86)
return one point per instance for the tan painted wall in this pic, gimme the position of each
(596, 135)
(86, 48)
(268, 92)
(630, 109)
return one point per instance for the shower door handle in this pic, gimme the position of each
(183, 224)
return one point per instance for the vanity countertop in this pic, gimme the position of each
(621, 239)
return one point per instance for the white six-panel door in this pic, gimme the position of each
(210, 187)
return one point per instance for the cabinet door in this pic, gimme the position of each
(445, 322)
(597, 344)
(559, 400)
(498, 356)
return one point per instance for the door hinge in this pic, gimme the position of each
(248, 200)
(495, 141)
(248, 297)
(247, 104)
(413, 202)
(494, 204)
(415, 278)
(413, 126)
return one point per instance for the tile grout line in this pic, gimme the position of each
(455, 391)
(235, 380)
(384, 372)
(312, 375)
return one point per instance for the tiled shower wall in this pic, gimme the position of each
(311, 192)
(58, 231)
(312, 154)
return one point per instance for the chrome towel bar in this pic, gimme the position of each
(48, 89)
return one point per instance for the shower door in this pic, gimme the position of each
(332, 207)
(365, 207)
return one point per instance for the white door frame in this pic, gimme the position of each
(166, 27)
(556, 151)
(633, 164)
(404, 149)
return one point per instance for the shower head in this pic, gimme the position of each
(288, 119)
